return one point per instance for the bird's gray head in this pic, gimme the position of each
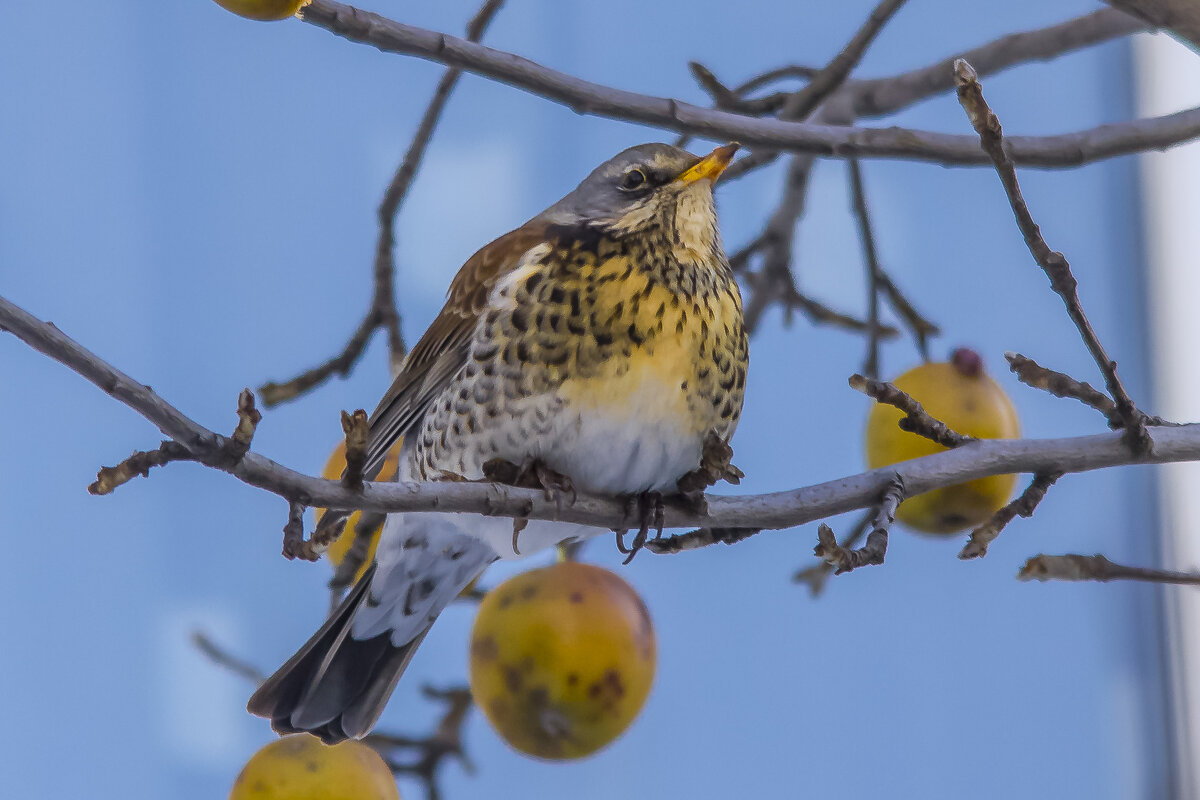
(645, 185)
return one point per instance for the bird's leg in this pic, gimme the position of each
(532, 473)
(519, 524)
(716, 465)
(554, 484)
(651, 513)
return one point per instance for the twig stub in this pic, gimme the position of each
(916, 419)
(357, 432)
(1024, 506)
(873, 552)
(1075, 567)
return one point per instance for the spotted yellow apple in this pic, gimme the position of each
(960, 393)
(562, 659)
(300, 767)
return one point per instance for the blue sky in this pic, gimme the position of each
(192, 196)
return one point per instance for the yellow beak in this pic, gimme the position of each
(711, 166)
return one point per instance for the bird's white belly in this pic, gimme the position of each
(621, 453)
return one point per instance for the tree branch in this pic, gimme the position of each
(430, 752)
(844, 559)
(883, 96)
(1033, 374)
(1073, 567)
(878, 282)
(585, 97)
(1182, 17)
(816, 575)
(835, 73)
(765, 511)
(916, 419)
(880, 97)
(1024, 506)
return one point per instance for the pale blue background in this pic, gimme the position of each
(192, 196)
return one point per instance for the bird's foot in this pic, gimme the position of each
(531, 474)
(648, 506)
(716, 465)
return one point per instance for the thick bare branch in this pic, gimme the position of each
(765, 511)
(883, 96)
(585, 97)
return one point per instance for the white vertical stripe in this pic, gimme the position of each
(1168, 80)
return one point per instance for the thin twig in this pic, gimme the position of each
(1074, 567)
(231, 451)
(248, 419)
(823, 84)
(1059, 384)
(430, 752)
(223, 658)
(701, 537)
(916, 419)
(138, 464)
(774, 282)
(777, 239)
(1053, 263)
(879, 282)
(844, 559)
(820, 314)
(294, 545)
(866, 237)
(1024, 506)
(800, 104)
(383, 311)
(817, 576)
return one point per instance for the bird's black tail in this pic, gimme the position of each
(335, 686)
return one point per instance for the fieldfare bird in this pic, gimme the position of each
(600, 348)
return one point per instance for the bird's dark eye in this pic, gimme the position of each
(634, 179)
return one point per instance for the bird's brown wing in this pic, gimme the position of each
(442, 350)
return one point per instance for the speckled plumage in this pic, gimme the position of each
(602, 340)
(616, 334)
